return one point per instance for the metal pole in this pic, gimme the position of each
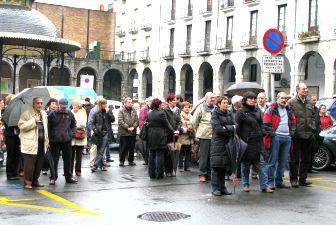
(49, 59)
(45, 59)
(14, 72)
(62, 64)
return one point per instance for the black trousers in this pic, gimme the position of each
(77, 152)
(300, 159)
(56, 149)
(185, 157)
(13, 156)
(155, 163)
(33, 165)
(127, 145)
(218, 179)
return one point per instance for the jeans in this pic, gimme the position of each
(204, 161)
(100, 151)
(108, 154)
(185, 157)
(263, 176)
(280, 148)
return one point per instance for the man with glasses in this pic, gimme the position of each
(280, 125)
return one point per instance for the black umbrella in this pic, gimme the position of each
(241, 88)
(21, 102)
(236, 149)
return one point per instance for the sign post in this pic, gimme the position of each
(273, 42)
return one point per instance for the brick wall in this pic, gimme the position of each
(102, 26)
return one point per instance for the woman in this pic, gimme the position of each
(186, 138)
(325, 119)
(78, 143)
(223, 125)
(158, 126)
(250, 129)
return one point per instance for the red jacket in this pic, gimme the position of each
(326, 122)
(272, 120)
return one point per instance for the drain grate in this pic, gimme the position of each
(163, 216)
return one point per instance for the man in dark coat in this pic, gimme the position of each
(62, 128)
(300, 157)
(316, 140)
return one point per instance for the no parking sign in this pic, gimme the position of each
(273, 41)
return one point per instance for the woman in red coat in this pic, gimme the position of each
(325, 119)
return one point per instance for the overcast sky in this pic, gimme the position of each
(88, 4)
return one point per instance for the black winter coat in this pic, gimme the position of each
(250, 129)
(174, 120)
(61, 126)
(158, 126)
(222, 124)
(101, 124)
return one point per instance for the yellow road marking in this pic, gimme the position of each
(74, 208)
(322, 180)
(325, 187)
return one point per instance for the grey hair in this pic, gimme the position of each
(299, 85)
(281, 93)
(127, 99)
(36, 98)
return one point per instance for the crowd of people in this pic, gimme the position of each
(167, 134)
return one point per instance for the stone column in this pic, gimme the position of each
(265, 77)
(272, 88)
(295, 79)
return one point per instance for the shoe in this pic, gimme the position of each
(21, 174)
(121, 164)
(13, 178)
(106, 164)
(71, 180)
(226, 192)
(267, 190)
(28, 186)
(254, 176)
(132, 164)
(44, 172)
(294, 184)
(78, 174)
(93, 169)
(103, 168)
(217, 193)
(285, 186)
(52, 182)
(168, 174)
(109, 160)
(246, 189)
(38, 185)
(202, 179)
(305, 183)
(187, 170)
(181, 170)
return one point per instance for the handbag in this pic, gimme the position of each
(144, 131)
(80, 134)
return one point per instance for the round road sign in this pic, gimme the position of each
(273, 41)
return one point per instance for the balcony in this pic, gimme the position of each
(146, 25)
(168, 53)
(204, 47)
(118, 56)
(310, 36)
(224, 46)
(249, 43)
(133, 29)
(144, 56)
(251, 2)
(188, 14)
(227, 5)
(206, 10)
(131, 57)
(185, 50)
(170, 15)
(120, 32)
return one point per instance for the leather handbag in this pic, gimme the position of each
(80, 134)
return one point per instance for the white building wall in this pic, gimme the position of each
(158, 13)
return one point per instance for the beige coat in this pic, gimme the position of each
(201, 121)
(29, 132)
(184, 138)
(80, 118)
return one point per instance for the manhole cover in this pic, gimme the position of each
(163, 216)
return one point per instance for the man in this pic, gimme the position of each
(12, 140)
(33, 126)
(101, 126)
(316, 138)
(179, 100)
(201, 121)
(261, 100)
(280, 125)
(300, 157)
(141, 144)
(236, 103)
(62, 127)
(173, 116)
(127, 124)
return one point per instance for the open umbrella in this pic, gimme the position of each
(22, 101)
(241, 88)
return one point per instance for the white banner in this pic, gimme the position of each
(273, 64)
(87, 81)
